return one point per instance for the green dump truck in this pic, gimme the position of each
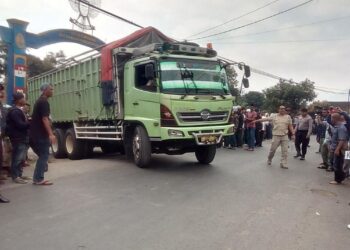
(141, 95)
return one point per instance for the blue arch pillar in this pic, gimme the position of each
(16, 57)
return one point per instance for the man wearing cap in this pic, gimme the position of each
(282, 123)
(17, 130)
(41, 135)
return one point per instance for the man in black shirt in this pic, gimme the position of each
(41, 135)
(17, 129)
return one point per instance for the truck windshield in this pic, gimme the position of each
(186, 76)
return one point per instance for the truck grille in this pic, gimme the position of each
(205, 115)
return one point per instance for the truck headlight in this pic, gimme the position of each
(175, 133)
(231, 130)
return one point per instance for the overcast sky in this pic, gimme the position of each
(320, 52)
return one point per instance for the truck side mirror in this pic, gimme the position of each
(245, 82)
(246, 71)
(149, 71)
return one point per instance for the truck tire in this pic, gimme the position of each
(141, 147)
(58, 148)
(74, 148)
(205, 154)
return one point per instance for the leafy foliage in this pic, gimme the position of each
(232, 80)
(37, 66)
(318, 105)
(294, 96)
(254, 97)
(3, 54)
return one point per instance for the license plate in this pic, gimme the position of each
(208, 139)
(347, 155)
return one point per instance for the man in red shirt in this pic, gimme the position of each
(251, 117)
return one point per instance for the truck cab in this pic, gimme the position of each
(175, 100)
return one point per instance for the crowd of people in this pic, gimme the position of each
(331, 126)
(249, 133)
(332, 133)
(24, 132)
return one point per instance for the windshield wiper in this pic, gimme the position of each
(187, 74)
(185, 85)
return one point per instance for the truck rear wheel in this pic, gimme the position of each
(58, 148)
(205, 154)
(141, 147)
(74, 148)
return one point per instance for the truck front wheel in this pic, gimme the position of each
(74, 148)
(141, 147)
(205, 154)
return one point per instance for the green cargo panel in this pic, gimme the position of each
(77, 92)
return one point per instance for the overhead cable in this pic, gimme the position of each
(282, 79)
(255, 22)
(285, 28)
(236, 18)
(287, 41)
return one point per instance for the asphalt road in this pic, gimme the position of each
(237, 203)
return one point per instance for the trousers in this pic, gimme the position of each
(338, 165)
(277, 141)
(300, 139)
(40, 147)
(19, 153)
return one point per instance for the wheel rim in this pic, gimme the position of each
(55, 145)
(69, 144)
(136, 146)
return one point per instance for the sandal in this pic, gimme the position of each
(43, 183)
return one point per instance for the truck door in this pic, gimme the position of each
(144, 97)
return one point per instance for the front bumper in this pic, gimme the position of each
(201, 135)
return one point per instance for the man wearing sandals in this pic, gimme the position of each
(41, 135)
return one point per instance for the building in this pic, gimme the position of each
(343, 105)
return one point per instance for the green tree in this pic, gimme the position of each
(318, 106)
(254, 97)
(37, 66)
(294, 96)
(3, 55)
(232, 80)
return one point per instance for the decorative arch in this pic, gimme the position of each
(17, 40)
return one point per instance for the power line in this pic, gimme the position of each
(110, 13)
(236, 18)
(331, 92)
(255, 22)
(285, 28)
(288, 41)
(282, 79)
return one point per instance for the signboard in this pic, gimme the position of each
(347, 155)
(20, 70)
